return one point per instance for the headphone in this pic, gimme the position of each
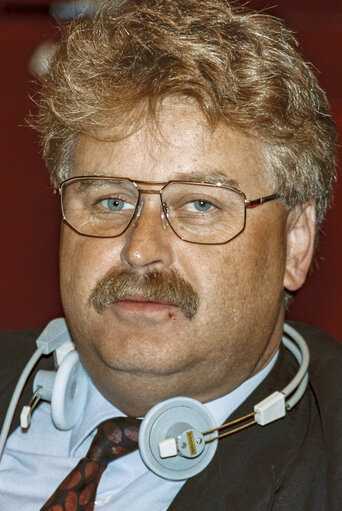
(178, 437)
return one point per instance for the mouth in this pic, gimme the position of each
(142, 305)
(145, 294)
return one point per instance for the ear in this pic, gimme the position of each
(301, 231)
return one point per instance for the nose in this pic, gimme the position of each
(148, 240)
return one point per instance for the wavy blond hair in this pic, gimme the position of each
(241, 67)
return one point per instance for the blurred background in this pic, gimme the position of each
(30, 217)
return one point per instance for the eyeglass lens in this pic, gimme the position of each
(199, 213)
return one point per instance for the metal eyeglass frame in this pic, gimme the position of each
(138, 183)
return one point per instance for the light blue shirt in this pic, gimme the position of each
(35, 463)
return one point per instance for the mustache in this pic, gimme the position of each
(168, 286)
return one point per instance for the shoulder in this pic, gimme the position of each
(325, 367)
(326, 385)
(325, 354)
(16, 345)
(16, 348)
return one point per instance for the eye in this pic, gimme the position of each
(114, 204)
(200, 205)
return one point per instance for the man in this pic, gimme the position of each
(194, 153)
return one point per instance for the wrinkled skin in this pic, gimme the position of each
(140, 353)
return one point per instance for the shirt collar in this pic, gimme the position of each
(98, 409)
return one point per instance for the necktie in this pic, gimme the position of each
(114, 438)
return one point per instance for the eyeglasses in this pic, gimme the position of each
(204, 213)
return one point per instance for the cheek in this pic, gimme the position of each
(260, 263)
(82, 262)
(248, 272)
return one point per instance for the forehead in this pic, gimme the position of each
(179, 144)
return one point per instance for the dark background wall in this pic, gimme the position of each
(29, 212)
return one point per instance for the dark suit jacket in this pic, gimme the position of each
(294, 464)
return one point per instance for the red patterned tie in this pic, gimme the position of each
(114, 438)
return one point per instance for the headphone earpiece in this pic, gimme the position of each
(67, 390)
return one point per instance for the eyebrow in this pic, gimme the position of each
(202, 176)
(85, 184)
(207, 176)
(96, 184)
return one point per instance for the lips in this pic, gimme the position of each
(141, 305)
(142, 299)
(147, 292)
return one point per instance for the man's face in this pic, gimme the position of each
(138, 352)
